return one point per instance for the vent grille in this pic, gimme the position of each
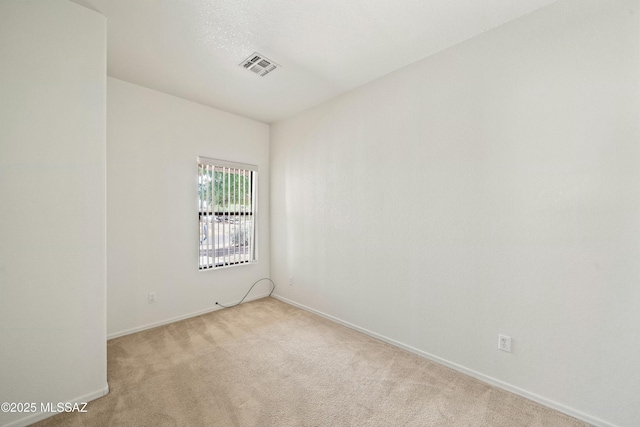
(259, 64)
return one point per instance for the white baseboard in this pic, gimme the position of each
(177, 318)
(482, 377)
(39, 416)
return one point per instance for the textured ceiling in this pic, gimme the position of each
(192, 48)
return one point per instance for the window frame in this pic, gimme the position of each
(239, 215)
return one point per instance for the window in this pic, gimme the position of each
(227, 203)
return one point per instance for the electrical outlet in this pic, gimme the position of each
(152, 297)
(290, 280)
(504, 343)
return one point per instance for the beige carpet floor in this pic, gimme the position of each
(266, 363)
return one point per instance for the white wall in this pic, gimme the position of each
(52, 204)
(491, 188)
(152, 225)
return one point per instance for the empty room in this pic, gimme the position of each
(320, 213)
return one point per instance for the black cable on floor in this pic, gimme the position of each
(245, 295)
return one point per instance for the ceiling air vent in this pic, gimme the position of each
(259, 64)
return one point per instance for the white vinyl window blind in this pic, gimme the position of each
(227, 213)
